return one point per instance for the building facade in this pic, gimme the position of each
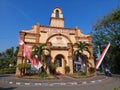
(58, 39)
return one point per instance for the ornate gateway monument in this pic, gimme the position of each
(59, 40)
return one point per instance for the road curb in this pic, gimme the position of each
(43, 84)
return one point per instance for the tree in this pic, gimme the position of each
(107, 30)
(39, 51)
(13, 56)
(82, 46)
(8, 58)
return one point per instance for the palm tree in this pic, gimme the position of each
(39, 51)
(82, 46)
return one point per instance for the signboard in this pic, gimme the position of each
(55, 30)
(59, 41)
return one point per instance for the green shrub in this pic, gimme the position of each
(20, 66)
(67, 69)
(7, 71)
(43, 75)
(27, 66)
(79, 75)
(91, 70)
(116, 89)
(24, 65)
(82, 74)
(53, 68)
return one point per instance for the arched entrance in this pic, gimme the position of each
(80, 63)
(60, 63)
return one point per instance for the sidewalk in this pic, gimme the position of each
(63, 80)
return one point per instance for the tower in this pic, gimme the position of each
(57, 19)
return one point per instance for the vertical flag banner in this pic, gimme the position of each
(102, 56)
(27, 52)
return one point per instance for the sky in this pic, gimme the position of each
(17, 15)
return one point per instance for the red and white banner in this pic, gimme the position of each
(27, 52)
(102, 56)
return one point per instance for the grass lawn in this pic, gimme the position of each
(39, 77)
(49, 77)
(80, 75)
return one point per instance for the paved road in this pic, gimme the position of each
(107, 84)
(60, 81)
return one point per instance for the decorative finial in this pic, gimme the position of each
(76, 27)
(38, 23)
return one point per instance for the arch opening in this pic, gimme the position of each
(57, 13)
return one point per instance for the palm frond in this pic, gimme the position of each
(83, 46)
